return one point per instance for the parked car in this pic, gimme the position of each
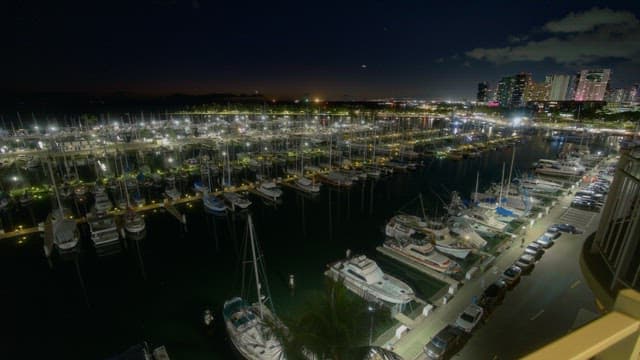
(552, 234)
(525, 262)
(545, 241)
(568, 228)
(534, 249)
(493, 295)
(445, 344)
(512, 275)
(470, 317)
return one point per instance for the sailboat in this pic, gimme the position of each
(304, 183)
(210, 201)
(65, 231)
(250, 326)
(133, 223)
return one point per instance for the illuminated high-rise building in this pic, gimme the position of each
(538, 91)
(592, 84)
(483, 92)
(561, 87)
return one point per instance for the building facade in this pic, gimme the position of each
(538, 91)
(592, 84)
(512, 90)
(561, 87)
(618, 237)
(483, 92)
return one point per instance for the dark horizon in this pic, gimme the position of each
(331, 51)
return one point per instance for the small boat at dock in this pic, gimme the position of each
(365, 278)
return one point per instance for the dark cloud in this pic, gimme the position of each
(589, 20)
(579, 38)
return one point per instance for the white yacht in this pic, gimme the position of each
(483, 217)
(269, 189)
(422, 252)
(173, 193)
(213, 203)
(134, 223)
(102, 203)
(236, 200)
(65, 232)
(405, 226)
(539, 185)
(103, 231)
(307, 185)
(365, 278)
(559, 168)
(398, 230)
(337, 179)
(463, 230)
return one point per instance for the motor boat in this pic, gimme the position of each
(409, 226)
(172, 193)
(133, 222)
(213, 203)
(307, 185)
(562, 168)
(422, 252)
(102, 203)
(269, 189)
(236, 200)
(365, 278)
(198, 186)
(65, 232)
(103, 231)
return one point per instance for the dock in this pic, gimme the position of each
(417, 266)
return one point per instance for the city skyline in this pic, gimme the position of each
(346, 52)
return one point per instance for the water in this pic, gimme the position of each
(46, 310)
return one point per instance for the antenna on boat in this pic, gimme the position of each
(424, 216)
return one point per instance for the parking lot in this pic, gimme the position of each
(546, 303)
(581, 219)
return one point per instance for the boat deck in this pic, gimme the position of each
(414, 264)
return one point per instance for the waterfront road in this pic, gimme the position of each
(545, 305)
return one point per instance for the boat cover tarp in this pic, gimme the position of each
(503, 212)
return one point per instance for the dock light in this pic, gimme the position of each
(14, 178)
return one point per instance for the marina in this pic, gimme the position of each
(183, 246)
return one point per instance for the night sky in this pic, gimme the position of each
(332, 50)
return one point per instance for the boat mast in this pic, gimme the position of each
(330, 150)
(424, 216)
(55, 188)
(501, 184)
(255, 262)
(124, 180)
(475, 197)
(513, 156)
